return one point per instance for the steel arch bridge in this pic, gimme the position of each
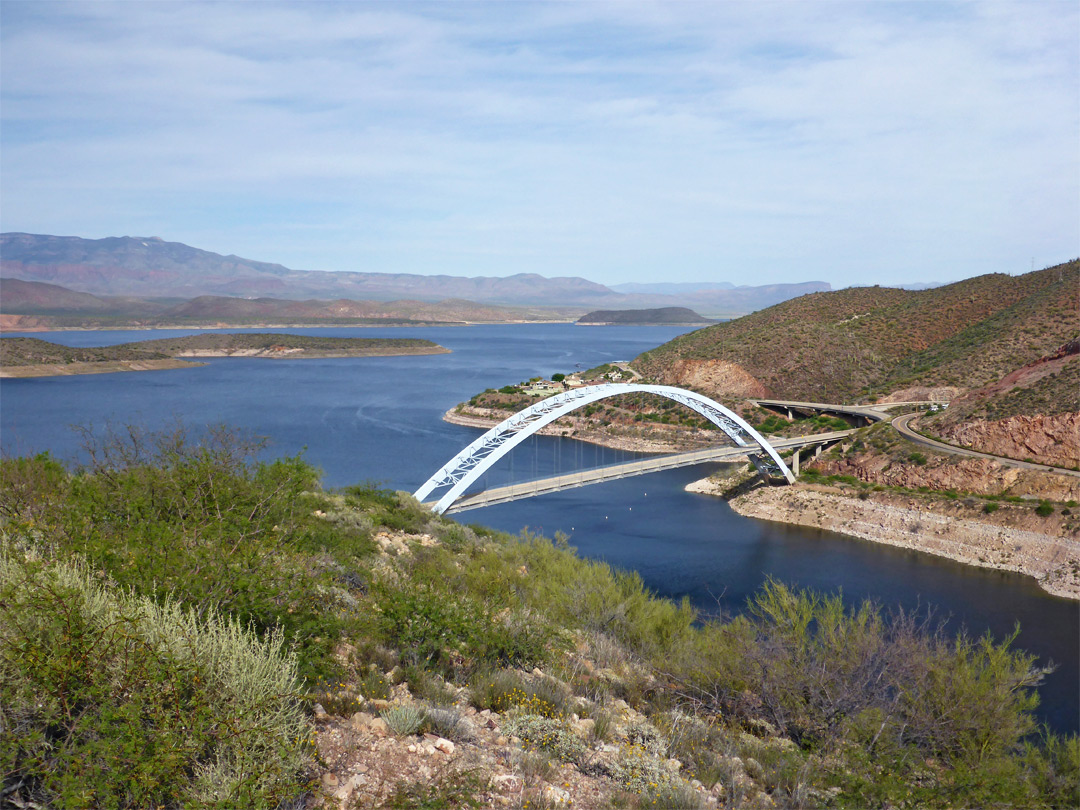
(472, 462)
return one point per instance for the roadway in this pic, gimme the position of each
(871, 413)
(900, 423)
(528, 489)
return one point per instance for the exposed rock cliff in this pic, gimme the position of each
(981, 476)
(1046, 439)
(717, 378)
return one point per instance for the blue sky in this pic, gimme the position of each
(751, 142)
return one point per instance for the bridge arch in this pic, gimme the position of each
(468, 465)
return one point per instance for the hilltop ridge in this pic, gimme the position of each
(872, 341)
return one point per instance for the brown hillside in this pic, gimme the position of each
(1032, 412)
(852, 343)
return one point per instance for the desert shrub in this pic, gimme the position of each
(445, 721)
(548, 734)
(487, 688)
(503, 690)
(598, 598)
(374, 686)
(203, 522)
(690, 740)
(449, 631)
(990, 507)
(404, 719)
(603, 725)
(638, 769)
(335, 697)
(1044, 509)
(896, 689)
(429, 687)
(673, 795)
(112, 700)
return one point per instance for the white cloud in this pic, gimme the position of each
(618, 141)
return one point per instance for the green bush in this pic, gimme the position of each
(112, 700)
(204, 523)
(1044, 509)
(836, 678)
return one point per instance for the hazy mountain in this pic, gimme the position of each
(671, 288)
(19, 297)
(149, 267)
(53, 305)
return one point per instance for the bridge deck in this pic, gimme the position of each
(872, 413)
(529, 489)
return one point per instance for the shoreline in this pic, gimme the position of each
(574, 430)
(180, 361)
(36, 329)
(948, 530)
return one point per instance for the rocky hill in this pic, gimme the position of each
(874, 341)
(1030, 413)
(678, 316)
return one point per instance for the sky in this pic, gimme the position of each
(753, 142)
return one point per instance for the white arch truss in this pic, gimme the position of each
(472, 462)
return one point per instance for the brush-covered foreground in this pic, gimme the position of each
(183, 626)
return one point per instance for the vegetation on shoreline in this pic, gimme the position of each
(117, 577)
(15, 352)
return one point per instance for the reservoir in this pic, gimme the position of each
(380, 420)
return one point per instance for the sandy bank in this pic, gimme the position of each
(1011, 539)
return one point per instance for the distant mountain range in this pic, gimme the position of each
(149, 267)
(34, 305)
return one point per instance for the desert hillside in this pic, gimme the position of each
(873, 341)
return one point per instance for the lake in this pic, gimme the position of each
(380, 419)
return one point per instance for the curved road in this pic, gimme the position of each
(900, 423)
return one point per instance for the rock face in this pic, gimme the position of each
(937, 393)
(981, 476)
(717, 378)
(1051, 440)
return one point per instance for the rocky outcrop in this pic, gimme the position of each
(922, 393)
(717, 378)
(1053, 440)
(981, 476)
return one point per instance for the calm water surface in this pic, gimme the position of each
(379, 419)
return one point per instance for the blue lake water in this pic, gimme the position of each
(379, 419)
